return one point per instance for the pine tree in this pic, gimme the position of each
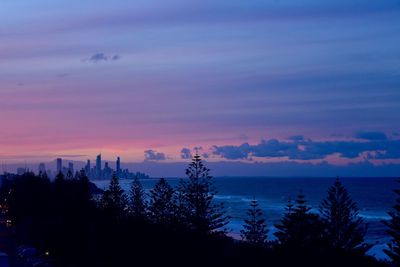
(179, 202)
(84, 187)
(342, 224)
(299, 228)
(394, 231)
(198, 193)
(70, 175)
(137, 200)
(43, 175)
(114, 199)
(59, 177)
(161, 207)
(255, 229)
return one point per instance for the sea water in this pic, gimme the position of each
(374, 196)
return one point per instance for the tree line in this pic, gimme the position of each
(183, 225)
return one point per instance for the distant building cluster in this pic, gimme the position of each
(67, 171)
(93, 172)
(98, 172)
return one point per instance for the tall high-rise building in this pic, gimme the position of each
(42, 168)
(98, 165)
(71, 167)
(59, 165)
(107, 171)
(118, 165)
(87, 167)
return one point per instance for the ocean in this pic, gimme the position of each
(374, 196)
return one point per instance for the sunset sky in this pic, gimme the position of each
(269, 81)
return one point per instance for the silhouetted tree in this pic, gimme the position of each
(83, 235)
(255, 229)
(198, 193)
(161, 207)
(394, 231)
(84, 187)
(179, 204)
(114, 199)
(43, 174)
(137, 199)
(70, 175)
(59, 177)
(343, 226)
(299, 228)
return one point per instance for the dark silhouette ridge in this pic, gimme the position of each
(70, 225)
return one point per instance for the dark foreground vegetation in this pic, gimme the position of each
(72, 224)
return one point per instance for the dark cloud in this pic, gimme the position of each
(152, 155)
(101, 57)
(186, 153)
(296, 138)
(233, 152)
(373, 135)
(308, 149)
(98, 57)
(115, 57)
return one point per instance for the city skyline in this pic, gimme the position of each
(70, 168)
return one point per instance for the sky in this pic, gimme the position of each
(271, 81)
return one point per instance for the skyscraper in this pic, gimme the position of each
(71, 167)
(42, 168)
(59, 165)
(87, 167)
(118, 165)
(98, 165)
(107, 171)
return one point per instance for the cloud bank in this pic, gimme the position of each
(101, 57)
(371, 135)
(186, 153)
(378, 147)
(152, 155)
